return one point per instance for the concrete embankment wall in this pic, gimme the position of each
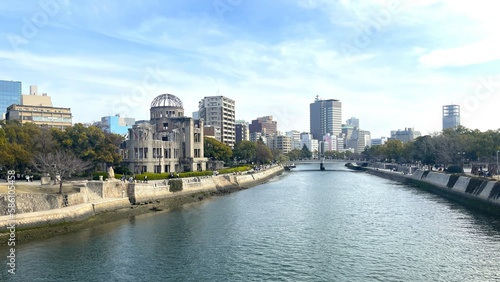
(41, 210)
(479, 193)
(150, 192)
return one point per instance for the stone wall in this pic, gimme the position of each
(31, 203)
(42, 209)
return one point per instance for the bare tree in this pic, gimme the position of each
(60, 165)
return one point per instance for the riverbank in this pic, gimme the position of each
(481, 194)
(113, 205)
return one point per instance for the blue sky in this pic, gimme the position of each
(393, 64)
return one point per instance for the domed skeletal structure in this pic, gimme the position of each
(167, 100)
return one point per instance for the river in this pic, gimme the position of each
(305, 225)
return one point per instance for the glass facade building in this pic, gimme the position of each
(10, 93)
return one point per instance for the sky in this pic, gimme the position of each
(393, 64)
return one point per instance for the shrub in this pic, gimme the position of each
(455, 169)
(175, 185)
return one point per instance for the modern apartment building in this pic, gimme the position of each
(219, 111)
(294, 139)
(241, 131)
(325, 117)
(451, 116)
(280, 142)
(10, 94)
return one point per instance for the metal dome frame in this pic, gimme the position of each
(167, 100)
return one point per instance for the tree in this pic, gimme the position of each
(90, 143)
(263, 153)
(60, 165)
(393, 149)
(294, 154)
(216, 150)
(245, 151)
(305, 152)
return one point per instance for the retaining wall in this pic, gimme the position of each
(42, 209)
(480, 193)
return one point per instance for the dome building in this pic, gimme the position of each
(168, 142)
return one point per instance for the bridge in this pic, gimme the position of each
(321, 163)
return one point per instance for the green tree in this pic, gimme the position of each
(294, 154)
(263, 153)
(216, 150)
(245, 151)
(305, 152)
(90, 143)
(393, 150)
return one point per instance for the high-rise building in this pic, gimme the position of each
(265, 125)
(10, 94)
(325, 117)
(219, 111)
(451, 116)
(241, 131)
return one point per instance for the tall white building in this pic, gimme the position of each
(451, 116)
(219, 111)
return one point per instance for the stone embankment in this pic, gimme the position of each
(479, 193)
(99, 197)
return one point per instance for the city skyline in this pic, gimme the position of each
(392, 64)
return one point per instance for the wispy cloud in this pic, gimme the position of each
(408, 58)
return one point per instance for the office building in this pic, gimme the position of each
(265, 125)
(325, 117)
(38, 109)
(219, 111)
(451, 116)
(406, 135)
(10, 94)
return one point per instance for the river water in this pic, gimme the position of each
(305, 225)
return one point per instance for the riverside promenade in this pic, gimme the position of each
(97, 199)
